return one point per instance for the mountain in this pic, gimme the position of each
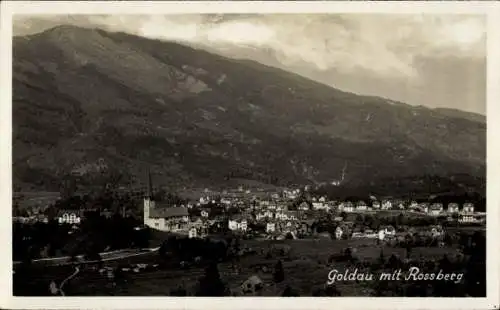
(94, 105)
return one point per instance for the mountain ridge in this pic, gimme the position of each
(134, 104)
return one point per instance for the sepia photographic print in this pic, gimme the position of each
(251, 150)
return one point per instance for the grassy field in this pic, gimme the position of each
(305, 269)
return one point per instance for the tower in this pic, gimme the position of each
(148, 200)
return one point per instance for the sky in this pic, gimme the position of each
(438, 61)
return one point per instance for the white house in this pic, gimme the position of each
(238, 225)
(386, 205)
(361, 206)
(69, 217)
(435, 209)
(437, 231)
(347, 206)
(270, 227)
(467, 218)
(193, 232)
(303, 206)
(264, 215)
(264, 203)
(381, 234)
(165, 218)
(370, 234)
(358, 234)
(468, 208)
(424, 207)
(453, 208)
(413, 205)
(320, 206)
(252, 285)
(388, 230)
(284, 216)
(339, 232)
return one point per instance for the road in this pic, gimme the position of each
(105, 256)
(77, 270)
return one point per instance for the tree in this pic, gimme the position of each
(332, 291)
(381, 257)
(179, 291)
(211, 284)
(279, 273)
(289, 292)
(409, 249)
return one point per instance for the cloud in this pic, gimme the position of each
(382, 46)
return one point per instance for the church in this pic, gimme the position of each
(164, 217)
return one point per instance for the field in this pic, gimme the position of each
(306, 268)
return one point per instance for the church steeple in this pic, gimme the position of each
(148, 201)
(149, 193)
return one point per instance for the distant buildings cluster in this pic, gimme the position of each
(277, 212)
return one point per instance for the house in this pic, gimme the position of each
(204, 213)
(398, 204)
(347, 206)
(252, 286)
(413, 205)
(306, 226)
(435, 209)
(264, 203)
(437, 230)
(369, 233)
(270, 227)
(193, 232)
(106, 214)
(424, 207)
(263, 215)
(304, 206)
(468, 208)
(386, 204)
(361, 206)
(467, 218)
(281, 207)
(284, 216)
(339, 232)
(197, 222)
(69, 217)
(388, 230)
(453, 208)
(321, 205)
(357, 235)
(238, 224)
(164, 217)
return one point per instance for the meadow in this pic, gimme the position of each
(306, 266)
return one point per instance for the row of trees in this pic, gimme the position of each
(95, 234)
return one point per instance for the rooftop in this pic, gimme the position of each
(168, 212)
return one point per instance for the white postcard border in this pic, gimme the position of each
(491, 9)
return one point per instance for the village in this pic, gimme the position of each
(292, 213)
